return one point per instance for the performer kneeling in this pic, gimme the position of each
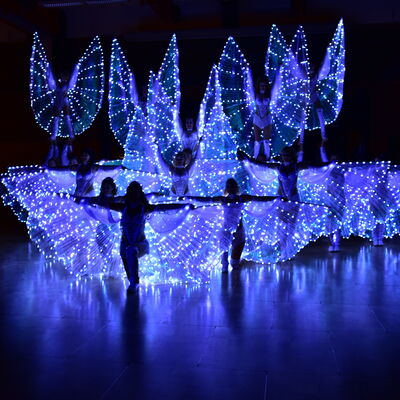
(135, 207)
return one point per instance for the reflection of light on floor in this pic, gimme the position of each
(313, 276)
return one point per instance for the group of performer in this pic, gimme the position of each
(234, 185)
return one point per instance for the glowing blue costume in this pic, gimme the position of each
(66, 108)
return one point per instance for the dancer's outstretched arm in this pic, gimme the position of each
(64, 168)
(189, 167)
(166, 207)
(53, 152)
(322, 151)
(196, 147)
(222, 199)
(249, 197)
(205, 199)
(303, 165)
(118, 204)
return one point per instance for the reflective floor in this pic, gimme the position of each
(323, 326)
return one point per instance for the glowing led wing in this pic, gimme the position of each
(168, 75)
(214, 128)
(263, 181)
(325, 186)
(190, 251)
(64, 231)
(209, 100)
(392, 225)
(277, 231)
(275, 53)
(209, 176)
(163, 104)
(367, 197)
(329, 85)
(42, 86)
(184, 244)
(86, 94)
(237, 93)
(140, 149)
(163, 121)
(122, 94)
(290, 94)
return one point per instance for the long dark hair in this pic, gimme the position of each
(108, 181)
(134, 194)
(90, 153)
(233, 187)
(86, 168)
(290, 152)
(262, 79)
(292, 167)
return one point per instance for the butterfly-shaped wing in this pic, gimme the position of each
(42, 86)
(275, 54)
(237, 93)
(122, 95)
(290, 94)
(330, 81)
(86, 88)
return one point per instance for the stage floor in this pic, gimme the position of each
(323, 326)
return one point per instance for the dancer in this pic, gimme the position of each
(61, 106)
(108, 191)
(134, 207)
(336, 196)
(86, 171)
(107, 230)
(68, 105)
(179, 171)
(317, 111)
(67, 154)
(288, 172)
(233, 235)
(262, 120)
(380, 201)
(52, 158)
(325, 87)
(189, 136)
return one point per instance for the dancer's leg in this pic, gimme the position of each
(239, 240)
(236, 254)
(224, 261)
(70, 128)
(54, 128)
(321, 118)
(52, 154)
(377, 234)
(122, 251)
(257, 140)
(335, 239)
(267, 148)
(257, 146)
(133, 265)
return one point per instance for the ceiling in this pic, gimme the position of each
(154, 19)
